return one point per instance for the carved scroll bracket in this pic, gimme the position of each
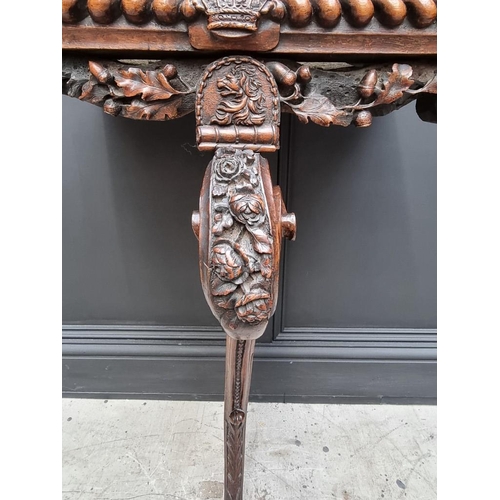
(239, 226)
(242, 217)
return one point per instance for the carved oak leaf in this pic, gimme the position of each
(262, 243)
(152, 85)
(164, 110)
(94, 93)
(320, 110)
(250, 297)
(398, 82)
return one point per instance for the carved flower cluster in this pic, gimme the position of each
(227, 168)
(241, 255)
(254, 307)
(236, 168)
(247, 208)
(228, 264)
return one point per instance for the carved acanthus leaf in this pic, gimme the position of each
(235, 439)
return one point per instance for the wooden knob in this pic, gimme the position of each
(288, 226)
(166, 11)
(104, 11)
(276, 10)
(74, 11)
(390, 12)
(360, 12)
(299, 12)
(136, 11)
(328, 12)
(195, 223)
(188, 10)
(422, 12)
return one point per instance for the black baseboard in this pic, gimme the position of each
(364, 366)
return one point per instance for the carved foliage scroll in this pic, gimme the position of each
(338, 95)
(134, 92)
(378, 91)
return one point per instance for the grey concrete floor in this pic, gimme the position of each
(171, 450)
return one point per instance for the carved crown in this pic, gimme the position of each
(233, 14)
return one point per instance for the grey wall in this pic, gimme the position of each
(357, 315)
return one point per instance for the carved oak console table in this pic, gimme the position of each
(235, 64)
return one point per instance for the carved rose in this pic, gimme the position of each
(254, 307)
(227, 264)
(247, 208)
(227, 168)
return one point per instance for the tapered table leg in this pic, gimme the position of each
(239, 359)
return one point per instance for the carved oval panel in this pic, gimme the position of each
(239, 235)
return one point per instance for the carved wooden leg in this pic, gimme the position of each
(239, 359)
(239, 226)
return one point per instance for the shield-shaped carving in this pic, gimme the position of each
(238, 103)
